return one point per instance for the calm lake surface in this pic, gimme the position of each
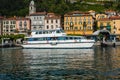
(60, 64)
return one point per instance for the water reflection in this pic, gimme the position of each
(60, 64)
(11, 61)
(107, 63)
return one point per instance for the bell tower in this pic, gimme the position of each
(32, 7)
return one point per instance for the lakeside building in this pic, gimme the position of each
(23, 26)
(104, 23)
(15, 25)
(1, 18)
(116, 25)
(43, 20)
(52, 21)
(111, 24)
(9, 25)
(37, 20)
(79, 23)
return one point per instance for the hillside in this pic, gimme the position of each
(21, 7)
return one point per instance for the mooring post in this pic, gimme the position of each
(103, 43)
(114, 41)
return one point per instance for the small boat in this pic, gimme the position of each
(52, 39)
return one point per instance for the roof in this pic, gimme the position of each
(16, 18)
(77, 13)
(98, 31)
(115, 17)
(104, 19)
(52, 16)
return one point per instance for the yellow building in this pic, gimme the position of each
(112, 24)
(78, 23)
(104, 23)
(116, 25)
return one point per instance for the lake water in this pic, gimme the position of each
(60, 64)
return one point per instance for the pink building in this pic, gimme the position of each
(23, 25)
(15, 25)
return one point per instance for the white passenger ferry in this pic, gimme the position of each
(56, 39)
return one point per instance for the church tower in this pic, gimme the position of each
(32, 7)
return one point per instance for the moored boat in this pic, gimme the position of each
(56, 39)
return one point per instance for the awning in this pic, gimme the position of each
(100, 31)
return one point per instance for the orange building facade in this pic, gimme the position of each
(78, 23)
(112, 24)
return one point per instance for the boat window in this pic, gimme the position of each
(61, 38)
(46, 32)
(53, 38)
(40, 32)
(36, 33)
(58, 31)
(44, 39)
(36, 39)
(43, 32)
(71, 38)
(30, 39)
(40, 39)
(79, 38)
(67, 38)
(48, 38)
(82, 37)
(75, 38)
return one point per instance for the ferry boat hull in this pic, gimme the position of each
(59, 45)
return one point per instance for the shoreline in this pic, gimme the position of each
(96, 44)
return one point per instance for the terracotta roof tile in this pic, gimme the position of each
(52, 16)
(16, 18)
(115, 17)
(104, 19)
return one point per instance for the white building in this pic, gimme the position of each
(37, 20)
(52, 21)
